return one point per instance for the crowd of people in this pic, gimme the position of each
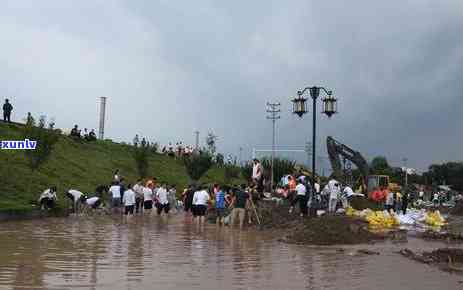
(148, 197)
(179, 150)
(85, 135)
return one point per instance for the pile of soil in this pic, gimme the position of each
(458, 209)
(276, 216)
(331, 230)
(448, 259)
(361, 203)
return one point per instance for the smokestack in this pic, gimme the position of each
(102, 117)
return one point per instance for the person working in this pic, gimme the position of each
(138, 189)
(238, 204)
(162, 201)
(48, 199)
(75, 196)
(93, 202)
(129, 201)
(200, 201)
(188, 201)
(220, 206)
(116, 196)
(334, 192)
(347, 193)
(148, 197)
(257, 175)
(301, 198)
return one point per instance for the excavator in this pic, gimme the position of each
(370, 184)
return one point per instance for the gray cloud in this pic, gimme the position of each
(172, 67)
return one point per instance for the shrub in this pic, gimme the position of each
(140, 155)
(197, 165)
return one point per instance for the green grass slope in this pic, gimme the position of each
(79, 165)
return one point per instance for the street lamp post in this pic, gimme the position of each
(300, 108)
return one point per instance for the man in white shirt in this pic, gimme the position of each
(334, 190)
(148, 198)
(115, 191)
(93, 202)
(347, 193)
(200, 201)
(138, 189)
(257, 175)
(162, 201)
(317, 187)
(301, 197)
(75, 196)
(129, 200)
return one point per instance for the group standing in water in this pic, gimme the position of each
(149, 197)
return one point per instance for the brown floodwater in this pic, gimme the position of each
(151, 253)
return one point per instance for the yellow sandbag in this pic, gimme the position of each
(434, 219)
(350, 211)
(380, 219)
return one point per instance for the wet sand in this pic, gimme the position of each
(151, 253)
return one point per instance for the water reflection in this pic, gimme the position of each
(147, 252)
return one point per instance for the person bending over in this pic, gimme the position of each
(48, 198)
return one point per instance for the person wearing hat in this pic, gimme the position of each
(7, 108)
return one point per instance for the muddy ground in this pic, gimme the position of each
(458, 209)
(447, 259)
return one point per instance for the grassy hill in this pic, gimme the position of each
(79, 165)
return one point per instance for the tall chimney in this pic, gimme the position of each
(102, 117)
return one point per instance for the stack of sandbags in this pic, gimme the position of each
(382, 219)
(434, 219)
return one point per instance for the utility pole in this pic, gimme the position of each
(406, 170)
(273, 110)
(241, 155)
(197, 140)
(308, 150)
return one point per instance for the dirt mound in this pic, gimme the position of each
(331, 230)
(361, 203)
(275, 216)
(458, 209)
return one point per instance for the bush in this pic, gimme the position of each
(46, 138)
(140, 155)
(197, 165)
(231, 172)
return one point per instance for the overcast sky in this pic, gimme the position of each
(172, 67)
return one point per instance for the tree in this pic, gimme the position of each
(380, 166)
(197, 165)
(140, 155)
(211, 141)
(46, 139)
(219, 159)
(281, 167)
(450, 173)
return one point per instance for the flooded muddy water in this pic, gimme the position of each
(152, 253)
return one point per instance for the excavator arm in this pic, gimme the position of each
(336, 150)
